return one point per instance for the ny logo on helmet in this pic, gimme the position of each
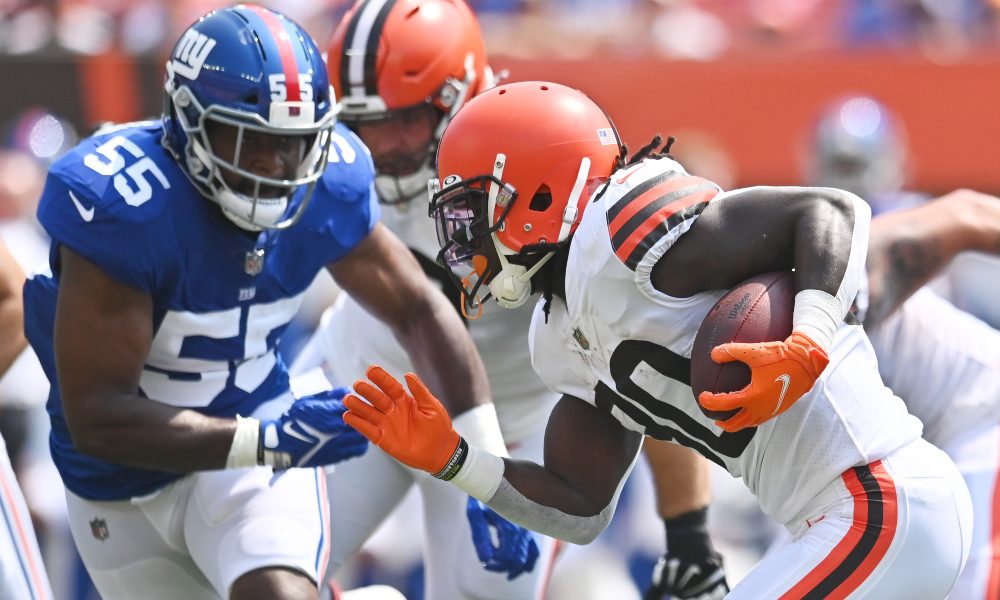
(191, 53)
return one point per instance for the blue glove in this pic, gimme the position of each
(501, 545)
(311, 433)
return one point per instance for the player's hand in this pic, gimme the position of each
(675, 577)
(414, 429)
(311, 433)
(780, 373)
(501, 545)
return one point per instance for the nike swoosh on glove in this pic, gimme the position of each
(311, 433)
(675, 577)
(514, 550)
(780, 374)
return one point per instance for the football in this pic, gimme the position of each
(757, 310)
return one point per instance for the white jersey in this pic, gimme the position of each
(623, 346)
(943, 362)
(350, 339)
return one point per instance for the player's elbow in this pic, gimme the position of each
(585, 535)
(585, 529)
(86, 439)
(85, 431)
(845, 204)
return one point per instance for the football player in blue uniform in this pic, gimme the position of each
(181, 250)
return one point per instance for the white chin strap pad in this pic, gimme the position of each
(393, 189)
(238, 209)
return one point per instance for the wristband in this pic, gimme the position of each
(687, 535)
(480, 475)
(818, 315)
(246, 448)
(451, 468)
(480, 427)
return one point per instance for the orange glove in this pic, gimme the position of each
(415, 430)
(780, 373)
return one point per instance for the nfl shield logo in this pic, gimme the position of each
(99, 527)
(254, 262)
(581, 339)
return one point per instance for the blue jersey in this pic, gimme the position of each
(120, 200)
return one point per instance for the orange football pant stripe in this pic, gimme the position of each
(861, 550)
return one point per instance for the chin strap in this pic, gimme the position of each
(512, 285)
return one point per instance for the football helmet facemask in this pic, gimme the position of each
(394, 61)
(518, 165)
(256, 73)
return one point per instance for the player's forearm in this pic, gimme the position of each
(680, 478)
(909, 248)
(831, 243)
(138, 432)
(443, 354)
(536, 498)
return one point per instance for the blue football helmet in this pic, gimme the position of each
(258, 72)
(858, 146)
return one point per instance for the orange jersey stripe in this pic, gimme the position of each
(643, 200)
(660, 216)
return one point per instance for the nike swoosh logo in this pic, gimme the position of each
(289, 430)
(785, 380)
(320, 441)
(86, 213)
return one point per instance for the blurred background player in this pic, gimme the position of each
(860, 144)
(22, 572)
(180, 251)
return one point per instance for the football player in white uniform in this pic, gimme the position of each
(535, 194)
(22, 573)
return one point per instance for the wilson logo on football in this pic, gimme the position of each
(191, 53)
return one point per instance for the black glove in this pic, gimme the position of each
(690, 569)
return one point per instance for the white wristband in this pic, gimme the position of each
(479, 427)
(818, 315)
(480, 475)
(243, 452)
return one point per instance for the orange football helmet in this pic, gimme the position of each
(388, 59)
(516, 168)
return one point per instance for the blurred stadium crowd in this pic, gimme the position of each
(691, 29)
(947, 31)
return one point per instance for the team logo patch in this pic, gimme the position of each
(581, 339)
(99, 527)
(253, 263)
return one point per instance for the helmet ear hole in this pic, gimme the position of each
(542, 200)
